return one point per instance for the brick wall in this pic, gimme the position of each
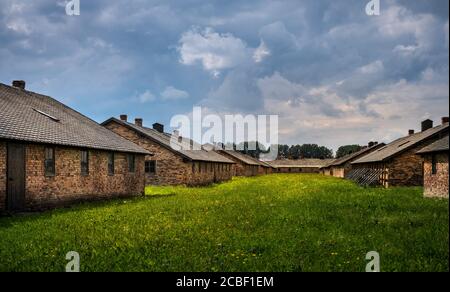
(203, 173)
(69, 185)
(406, 169)
(436, 185)
(341, 170)
(2, 175)
(171, 168)
(298, 170)
(326, 171)
(338, 171)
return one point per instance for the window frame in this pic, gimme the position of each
(434, 167)
(131, 161)
(111, 163)
(152, 164)
(48, 173)
(84, 165)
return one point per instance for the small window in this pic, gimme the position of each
(49, 162)
(84, 162)
(131, 163)
(193, 167)
(433, 164)
(150, 166)
(111, 163)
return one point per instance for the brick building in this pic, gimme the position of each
(435, 169)
(396, 164)
(245, 165)
(299, 165)
(265, 168)
(171, 166)
(341, 167)
(52, 155)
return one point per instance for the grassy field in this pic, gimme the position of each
(270, 223)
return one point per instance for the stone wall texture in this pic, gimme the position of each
(241, 168)
(68, 185)
(298, 170)
(2, 175)
(436, 185)
(172, 168)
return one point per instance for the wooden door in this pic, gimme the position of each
(16, 177)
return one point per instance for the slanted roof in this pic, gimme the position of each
(265, 164)
(164, 139)
(400, 145)
(355, 155)
(300, 163)
(246, 159)
(438, 146)
(31, 117)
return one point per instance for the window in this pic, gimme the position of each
(111, 163)
(49, 162)
(433, 164)
(193, 167)
(84, 162)
(131, 163)
(150, 166)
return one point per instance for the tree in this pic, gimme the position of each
(315, 151)
(347, 149)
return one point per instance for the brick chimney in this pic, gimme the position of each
(123, 118)
(138, 122)
(411, 132)
(19, 84)
(444, 120)
(427, 124)
(158, 127)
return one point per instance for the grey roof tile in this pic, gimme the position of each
(164, 139)
(438, 146)
(398, 146)
(28, 116)
(355, 155)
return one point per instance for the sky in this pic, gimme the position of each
(332, 74)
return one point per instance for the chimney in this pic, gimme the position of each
(371, 144)
(411, 132)
(427, 124)
(158, 127)
(123, 118)
(138, 122)
(18, 84)
(444, 120)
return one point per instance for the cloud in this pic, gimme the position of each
(261, 53)
(212, 50)
(333, 74)
(145, 97)
(171, 93)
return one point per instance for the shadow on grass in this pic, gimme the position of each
(7, 219)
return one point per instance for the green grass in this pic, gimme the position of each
(271, 223)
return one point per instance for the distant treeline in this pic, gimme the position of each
(255, 149)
